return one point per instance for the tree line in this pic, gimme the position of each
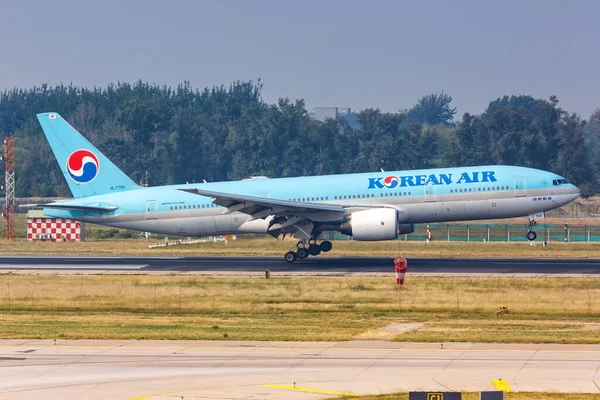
(185, 134)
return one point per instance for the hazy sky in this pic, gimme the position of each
(357, 54)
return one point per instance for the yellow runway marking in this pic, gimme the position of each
(176, 392)
(310, 390)
(501, 384)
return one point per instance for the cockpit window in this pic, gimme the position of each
(557, 182)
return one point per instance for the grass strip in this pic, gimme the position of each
(540, 310)
(270, 247)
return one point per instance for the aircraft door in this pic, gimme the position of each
(520, 188)
(430, 192)
(151, 209)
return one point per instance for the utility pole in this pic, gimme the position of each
(9, 185)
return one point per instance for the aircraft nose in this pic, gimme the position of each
(575, 192)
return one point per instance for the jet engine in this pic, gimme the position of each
(375, 224)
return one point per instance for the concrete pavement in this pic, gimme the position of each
(101, 369)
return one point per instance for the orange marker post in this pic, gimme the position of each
(400, 265)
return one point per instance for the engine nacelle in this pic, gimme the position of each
(376, 224)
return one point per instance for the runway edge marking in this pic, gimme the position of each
(501, 384)
(310, 390)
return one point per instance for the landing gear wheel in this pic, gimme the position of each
(290, 256)
(326, 246)
(314, 249)
(302, 253)
(531, 235)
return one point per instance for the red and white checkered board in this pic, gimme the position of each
(53, 229)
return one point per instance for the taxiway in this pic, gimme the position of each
(99, 369)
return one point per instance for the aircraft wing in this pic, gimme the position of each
(261, 207)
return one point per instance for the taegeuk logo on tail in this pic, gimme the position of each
(83, 166)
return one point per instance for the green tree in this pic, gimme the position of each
(572, 161)
(432, 109)
(592, 130)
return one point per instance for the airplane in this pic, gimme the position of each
(368, 206)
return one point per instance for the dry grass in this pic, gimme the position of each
(475, 396)
(557, 310)
(270, 247)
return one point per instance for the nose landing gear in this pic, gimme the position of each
(304, 248)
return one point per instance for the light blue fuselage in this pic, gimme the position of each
(420, 196)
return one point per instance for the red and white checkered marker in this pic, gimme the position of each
(400, 264)
(53, 229)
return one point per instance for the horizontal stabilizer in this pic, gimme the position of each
(72, 207)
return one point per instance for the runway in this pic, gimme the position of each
(341, 265)
(99, 369)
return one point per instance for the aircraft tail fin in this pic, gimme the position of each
(87, 171)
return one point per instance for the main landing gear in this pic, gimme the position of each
(531, 235)
(305, 248)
